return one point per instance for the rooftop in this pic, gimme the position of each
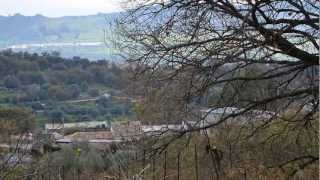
(90, 136)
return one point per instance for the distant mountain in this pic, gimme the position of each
(40, 33)
(19, 29)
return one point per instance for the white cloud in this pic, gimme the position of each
(56, 8)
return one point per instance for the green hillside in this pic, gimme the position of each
(56, 88)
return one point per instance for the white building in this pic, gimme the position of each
(240, 115)
(159, 129)
(86, 124)
(229, 115)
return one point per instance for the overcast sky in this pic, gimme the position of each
(57, 8)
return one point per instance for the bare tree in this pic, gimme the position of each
(241, 53)
(15, 141)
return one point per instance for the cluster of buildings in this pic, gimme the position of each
(105, 134)
(114, 132)
(103, 131)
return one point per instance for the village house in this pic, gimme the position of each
(89, 136)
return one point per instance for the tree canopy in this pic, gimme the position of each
(211, 44)
(251, 55)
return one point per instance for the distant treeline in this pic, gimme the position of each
(36, 79)
(54, 76)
